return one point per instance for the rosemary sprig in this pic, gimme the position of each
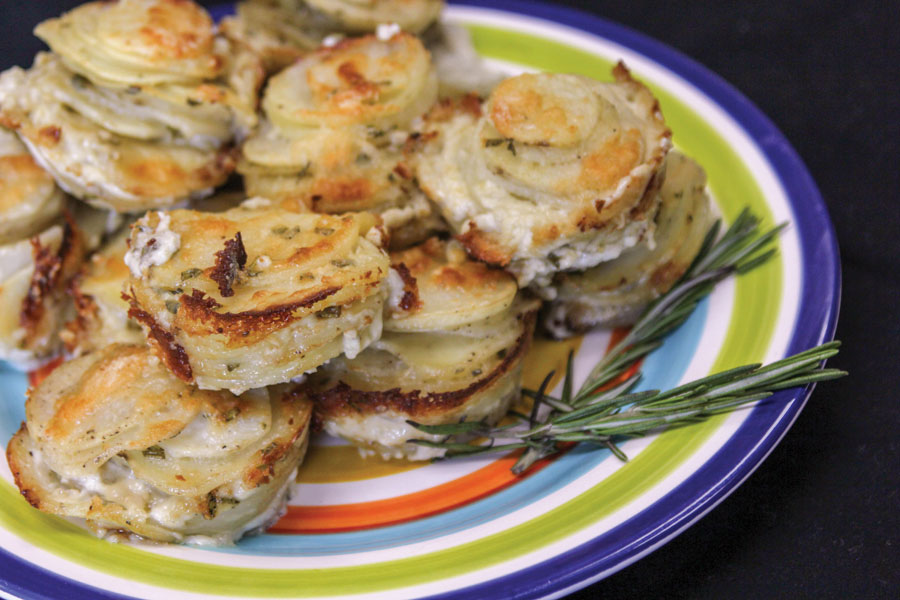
(737, 251)
(605, 408)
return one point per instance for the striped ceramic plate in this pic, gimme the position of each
(469, 529)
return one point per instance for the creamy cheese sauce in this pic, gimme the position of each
(152, 247)
(115, 482)
(386, 433)
(385, 31)
(352, 344)
(391, 433)
(332, 40)
(376, 236)
(395, 290)
(256, 202)
(417, 208)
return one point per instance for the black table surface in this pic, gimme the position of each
(819, 518)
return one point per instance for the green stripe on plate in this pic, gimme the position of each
(752, 324)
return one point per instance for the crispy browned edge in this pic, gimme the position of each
(52, 273)
(163, 342)
(410, 299)
(76, 331)
(229, 262)
(342, 400)
(483, 247)
(200, 308)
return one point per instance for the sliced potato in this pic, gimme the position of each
(29, 198)
(135, 42)
(440, 288)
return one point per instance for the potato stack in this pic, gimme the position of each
(281, 31)
(115, 438)
(255, 295)
(554, 173)
(455, 335)
(335, 131)
(43, 239)
(136, 107)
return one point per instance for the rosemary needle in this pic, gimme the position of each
(604, 408)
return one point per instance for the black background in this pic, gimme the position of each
(819, 518)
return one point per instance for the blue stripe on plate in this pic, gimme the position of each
(26, 580)
(13, 385)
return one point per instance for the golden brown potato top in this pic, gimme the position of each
(548, 109)
(136, 41)
(120, 398)
(444, 288)
(359, 80)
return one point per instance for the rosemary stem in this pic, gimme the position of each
(604, 408)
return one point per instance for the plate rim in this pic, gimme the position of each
(589, 562)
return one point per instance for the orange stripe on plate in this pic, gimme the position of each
(447, 496)
(366, 515)
(41, 373)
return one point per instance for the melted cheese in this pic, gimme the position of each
(152, 247)
(385, 31)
